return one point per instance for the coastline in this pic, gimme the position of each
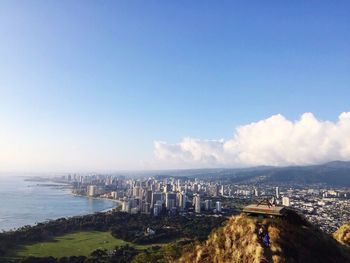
(20, 196)
(119, 203)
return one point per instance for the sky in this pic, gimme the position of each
(132, 85)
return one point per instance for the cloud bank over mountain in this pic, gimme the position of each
(272, 141)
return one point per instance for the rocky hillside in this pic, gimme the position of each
(343, 234)
(291, 240)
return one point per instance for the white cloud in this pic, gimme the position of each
(273, 141)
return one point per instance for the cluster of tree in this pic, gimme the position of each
(164, 254)
(72, 259)
(121, 254)
(129, 227)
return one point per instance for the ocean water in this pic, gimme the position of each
(26, 203)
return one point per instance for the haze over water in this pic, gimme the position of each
(26, 203)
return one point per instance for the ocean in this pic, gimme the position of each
(26, 203)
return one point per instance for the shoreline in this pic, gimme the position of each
(27, 189)
(118, 202)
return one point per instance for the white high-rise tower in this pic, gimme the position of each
(277, 192)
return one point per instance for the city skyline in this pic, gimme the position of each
(133, 86)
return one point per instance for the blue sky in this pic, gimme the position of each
(92, 84)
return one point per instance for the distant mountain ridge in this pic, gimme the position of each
(335, 173)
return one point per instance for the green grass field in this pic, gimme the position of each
(75, 244)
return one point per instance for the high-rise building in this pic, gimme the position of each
(256, 191)
(157, 208)
(134, 202)
(167, 188)
(197, 203)
(142, 193)
(126, 205)
(145, 208)
(218, 206)
(148, 197)
(156, 196)
(208, 205)
(222, 190)
(136, 191)
(91, 190)
(178, 185)
(214, 190)
(181, 201)
(158, 186)
(114, 194)
(277, 192)
(170, 200)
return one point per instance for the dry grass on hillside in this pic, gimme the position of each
(291, 241)
(237, 241)
(343, 234)
(302, 243)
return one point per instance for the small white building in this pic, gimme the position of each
(285, 201)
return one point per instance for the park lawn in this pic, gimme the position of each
(74, 244)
